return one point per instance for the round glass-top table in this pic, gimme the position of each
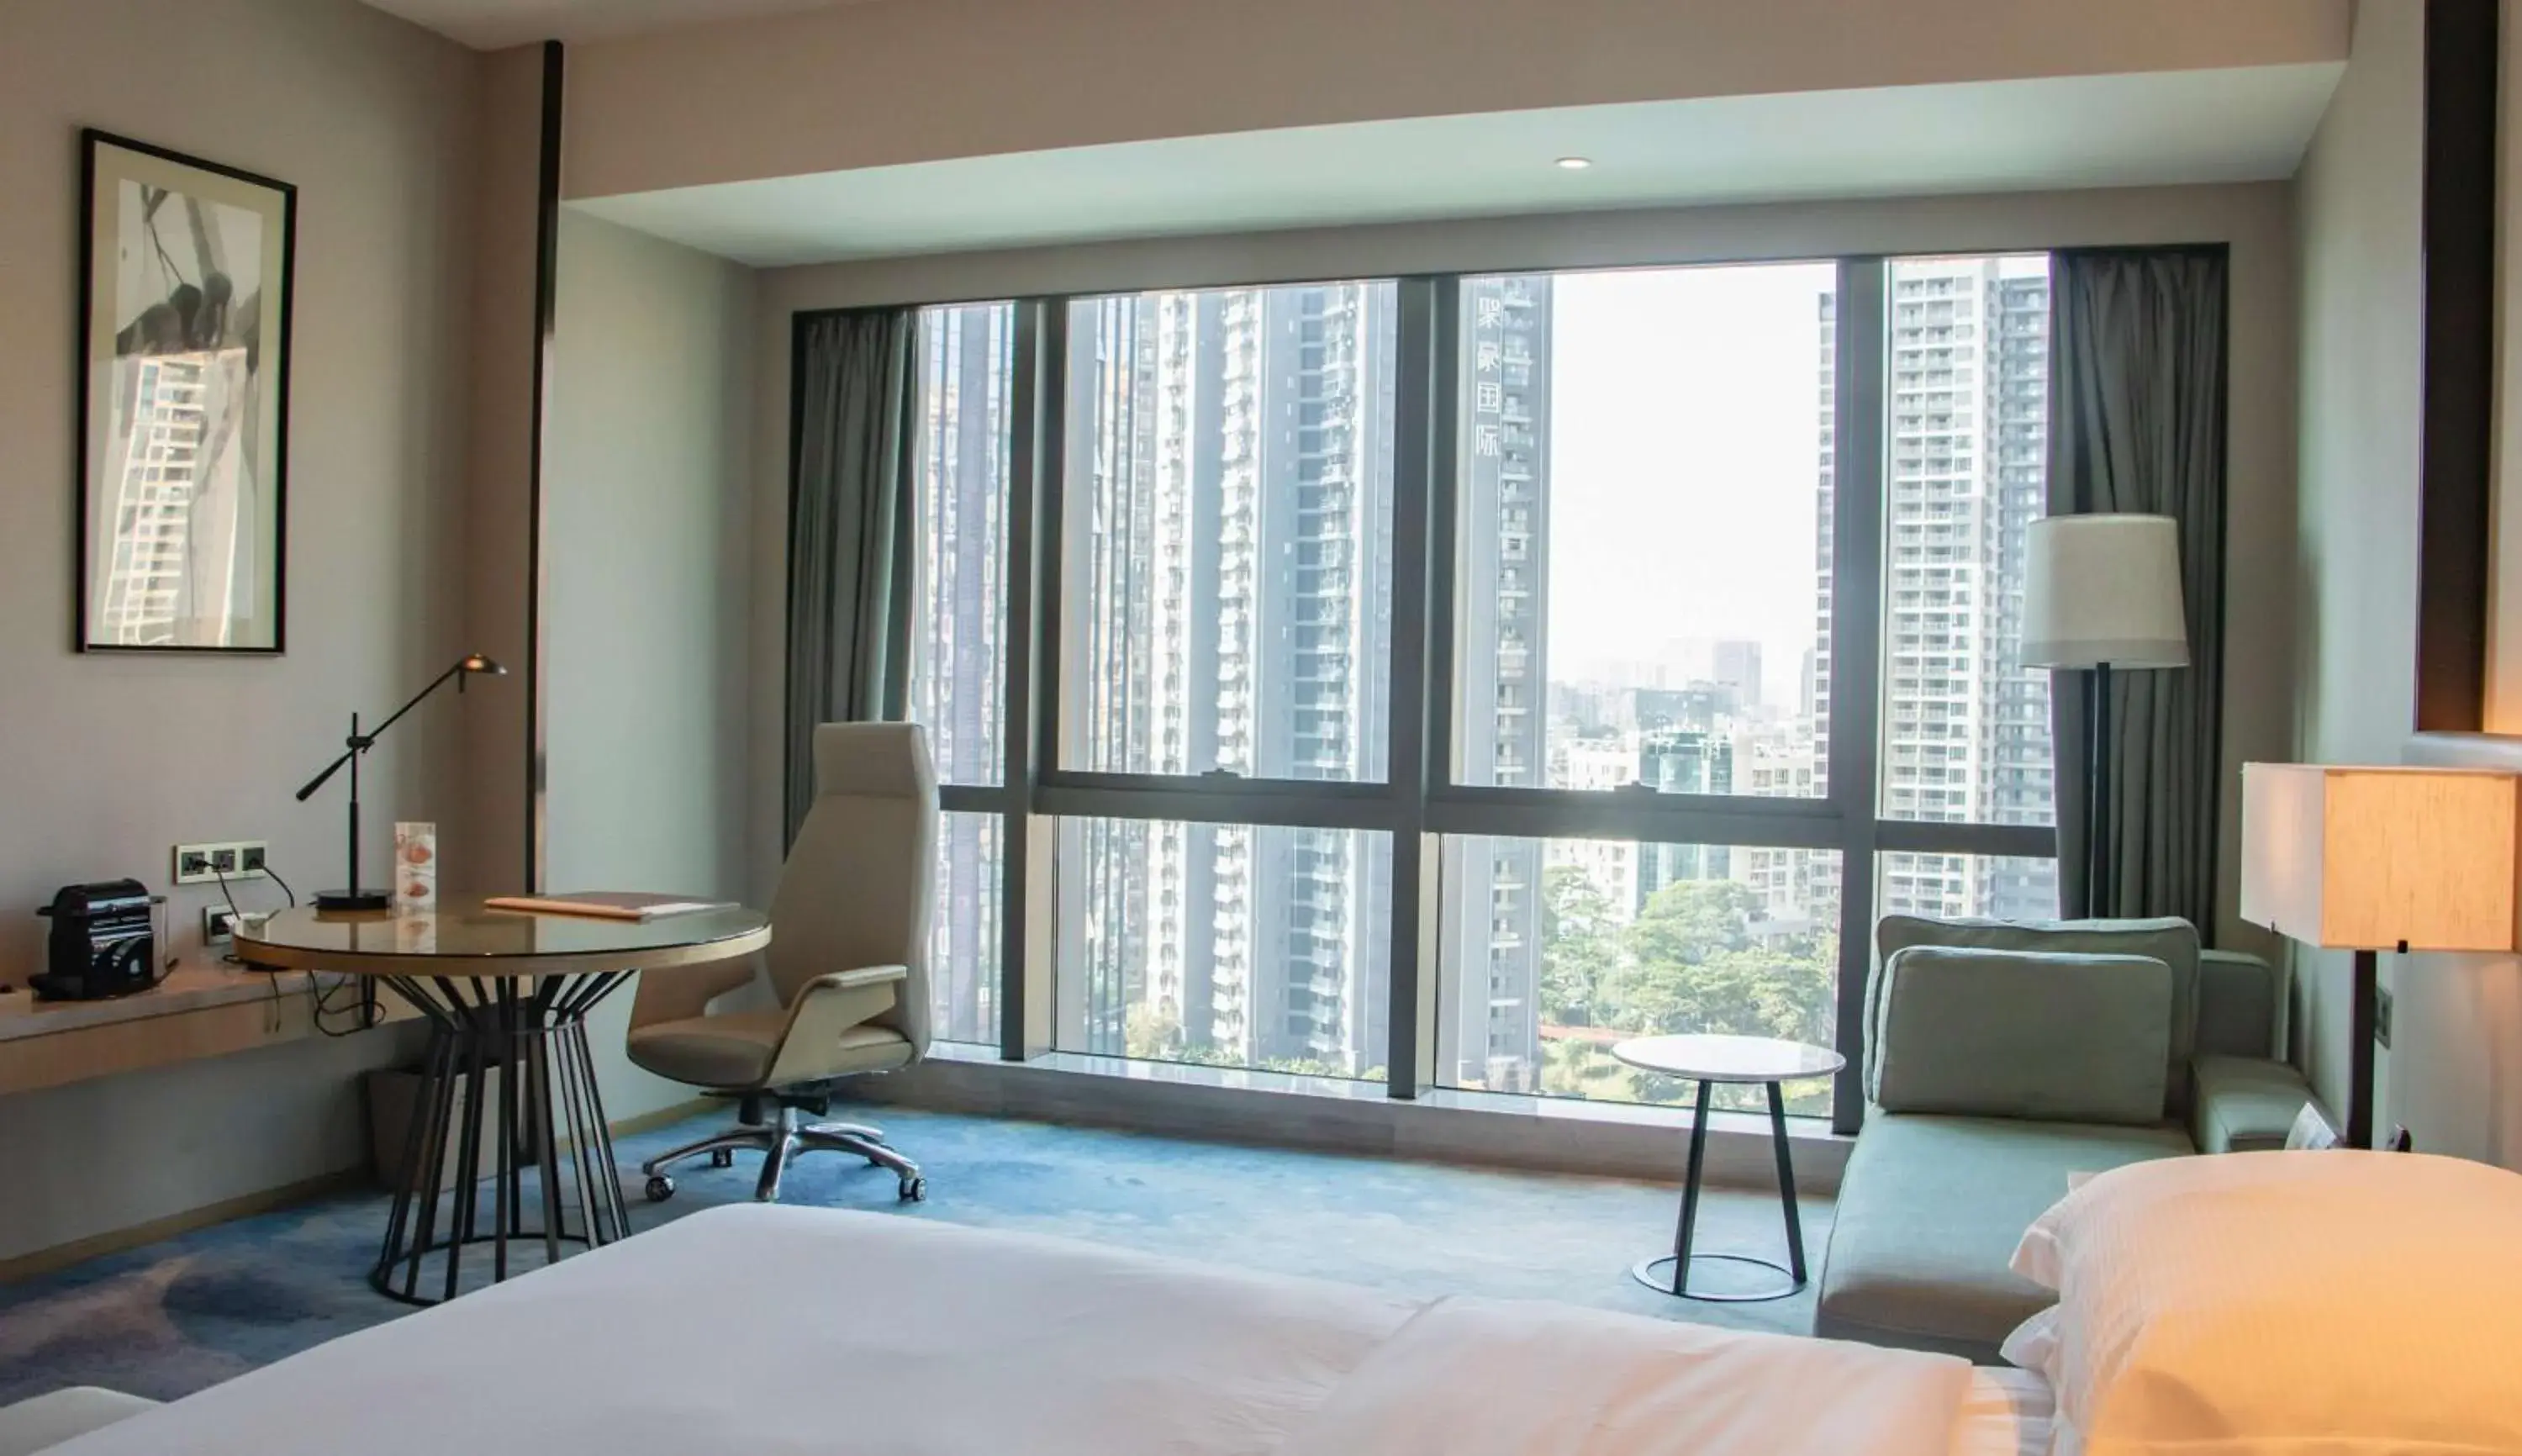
(1710, 1060)
(507, 1089)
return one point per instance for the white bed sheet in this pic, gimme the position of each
(2006, 1413)
(770, 1330)
(1471, 1377)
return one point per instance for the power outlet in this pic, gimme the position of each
(2382, 1016)
(219, 925)
(236, 859)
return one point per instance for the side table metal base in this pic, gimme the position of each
(530, 1132)
(1645, 1273)
(1681, 1258)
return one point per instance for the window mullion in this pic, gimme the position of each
(1027, 863)
(1856, 697)
(1421, 669)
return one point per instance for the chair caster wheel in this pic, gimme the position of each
(915, 1189)
(721, 1157)
(660, 1188)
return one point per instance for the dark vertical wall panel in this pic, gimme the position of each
(2460, 258)
(546, 309)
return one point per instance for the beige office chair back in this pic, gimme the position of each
(861, 879)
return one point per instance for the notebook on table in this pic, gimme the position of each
(607, 904)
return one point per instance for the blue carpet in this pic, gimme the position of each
(173, 1317)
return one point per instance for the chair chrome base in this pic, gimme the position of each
(778, 1142)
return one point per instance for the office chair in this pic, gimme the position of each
(848, 956)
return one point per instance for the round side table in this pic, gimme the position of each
(1710, 1060)
(506, 993)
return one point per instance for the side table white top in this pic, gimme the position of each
(1708, 1057)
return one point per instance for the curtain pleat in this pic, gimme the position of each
(850, 530)
(2138, 425)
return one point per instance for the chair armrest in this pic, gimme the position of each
(687, 990)
(865, 975)
(2238, 1011)
(825, 1006)
(2245, 1103)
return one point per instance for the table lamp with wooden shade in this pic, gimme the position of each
(2374, 859)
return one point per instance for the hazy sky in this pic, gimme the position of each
(1684, 438)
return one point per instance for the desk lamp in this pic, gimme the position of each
(357, 747)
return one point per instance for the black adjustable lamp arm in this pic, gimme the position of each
(355, 897)
(361, 742)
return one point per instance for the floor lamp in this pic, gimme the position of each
(2102, 591)
(2368, 859)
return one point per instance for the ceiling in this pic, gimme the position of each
(2160, 127)
(488, 24)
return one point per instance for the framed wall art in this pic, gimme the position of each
(183, 401)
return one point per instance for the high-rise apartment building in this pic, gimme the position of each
(1966, 727)
(959, 641)
(1492, 897)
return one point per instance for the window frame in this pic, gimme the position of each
(1419, 803)
(1258, 800)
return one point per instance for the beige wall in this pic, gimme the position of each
(2256, 221)
(107, 762)
(645, 516)
(2459, 1019)
(915, 80)
(2356, 576)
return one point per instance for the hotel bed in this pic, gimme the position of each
(767, 1330)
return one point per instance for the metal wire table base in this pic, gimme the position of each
(540, 1127)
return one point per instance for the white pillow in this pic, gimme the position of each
(2285, 1305)
(2034, 1345)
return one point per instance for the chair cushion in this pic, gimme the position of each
(47, 1421)
(2169, 940)
(735, 1050)
(2066, 1038)
(1929, 1210)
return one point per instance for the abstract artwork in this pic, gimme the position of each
(184, 401)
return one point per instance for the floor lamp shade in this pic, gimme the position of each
(2104, 589)
(2377, 857)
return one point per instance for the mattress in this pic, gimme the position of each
(774, 1331)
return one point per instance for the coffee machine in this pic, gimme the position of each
(103, 942)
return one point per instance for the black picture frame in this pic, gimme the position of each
(213, 355)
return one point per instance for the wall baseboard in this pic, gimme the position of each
(1518, 1133)
(269, 1199)
(664, 1116)
(116, 1241)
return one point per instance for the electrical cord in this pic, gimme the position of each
(319, 995)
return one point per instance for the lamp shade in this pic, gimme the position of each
(2368, 858)
(2104, 588)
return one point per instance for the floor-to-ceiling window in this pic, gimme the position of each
(1225, 545)
(1641, 578)
(1444, 678)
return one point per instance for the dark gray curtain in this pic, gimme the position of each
(2138, 425)
(849, 529)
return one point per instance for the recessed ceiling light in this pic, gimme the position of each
(1573, 164)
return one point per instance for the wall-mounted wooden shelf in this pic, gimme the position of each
(204, 1007)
